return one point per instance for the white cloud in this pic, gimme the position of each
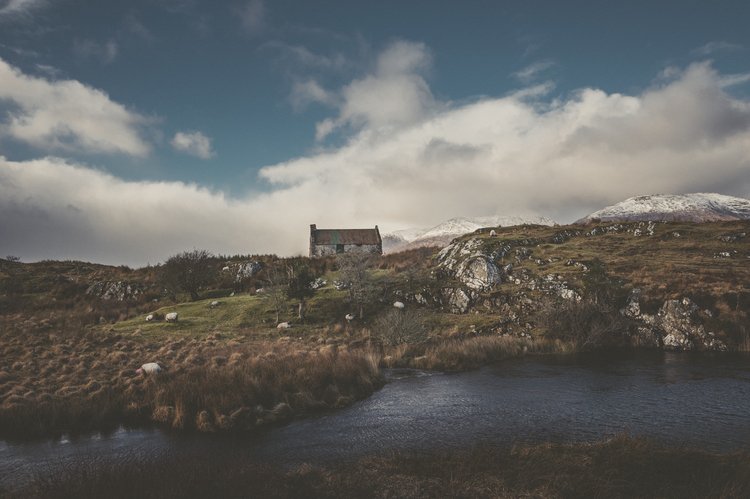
(19, 7)
(193, 143)
(394, 95)
(532, 71)
(508, 155)
(717, 46)
(307, 92)
(253, 15)
(104, 52)
(67, 115)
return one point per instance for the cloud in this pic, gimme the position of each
(514, 154)
(297, 56)
(532, 71)
(308, 92)
(105, 52)
(717, 46)
(193, 143)
(15, 8)
(67, 115)
(396, 94)
(54, 208)
(252, 16)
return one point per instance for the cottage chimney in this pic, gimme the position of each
(313, 228)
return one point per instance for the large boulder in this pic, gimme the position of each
(478, 273)
(473, 264)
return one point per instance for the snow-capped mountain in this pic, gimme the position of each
(698, 207)
(444, 232)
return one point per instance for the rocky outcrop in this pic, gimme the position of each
(678, 326)
(242, 270)
(682, 329)
(115, 290)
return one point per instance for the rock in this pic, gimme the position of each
(681, 328)
(458, 300)
(115, 290)
(318, 283)
(215, 304)
(478, 273)
(632, 308)
(398, 304)
(568, 294)
(283, 325)
(732, 237)
(246, 270)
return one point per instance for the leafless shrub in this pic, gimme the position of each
(398, 327)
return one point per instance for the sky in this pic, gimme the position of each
(131, 131)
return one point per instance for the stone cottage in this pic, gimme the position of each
(332, 241)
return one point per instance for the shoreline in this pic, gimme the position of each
(621, 466)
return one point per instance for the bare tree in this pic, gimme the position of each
(354, 272)
(299, 285)
(397, 327)
(188, 271)
(274, 291)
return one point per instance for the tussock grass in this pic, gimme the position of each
(78, 382)
(617, 468)
(471, 353)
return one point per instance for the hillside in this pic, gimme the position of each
(698, 207)
(82, 328)
(443, 233)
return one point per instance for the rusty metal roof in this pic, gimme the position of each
(346, 236)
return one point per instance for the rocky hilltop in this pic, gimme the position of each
(662, 285)
(698, 207)
(443, 233)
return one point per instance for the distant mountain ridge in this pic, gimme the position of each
(696, 207)
(445, 232)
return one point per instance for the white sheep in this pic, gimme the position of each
(349, 317)
(149, 368)
(171, 317)
(214, 304)
(283, 325)
(493, 233)
(149, 317)
(399, 305)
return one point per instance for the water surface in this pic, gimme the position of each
(700, 400)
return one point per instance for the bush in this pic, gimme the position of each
(398, 327)
(188, 271)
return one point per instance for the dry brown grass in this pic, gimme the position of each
(77, 382)
(622, 467)
(471, 353)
